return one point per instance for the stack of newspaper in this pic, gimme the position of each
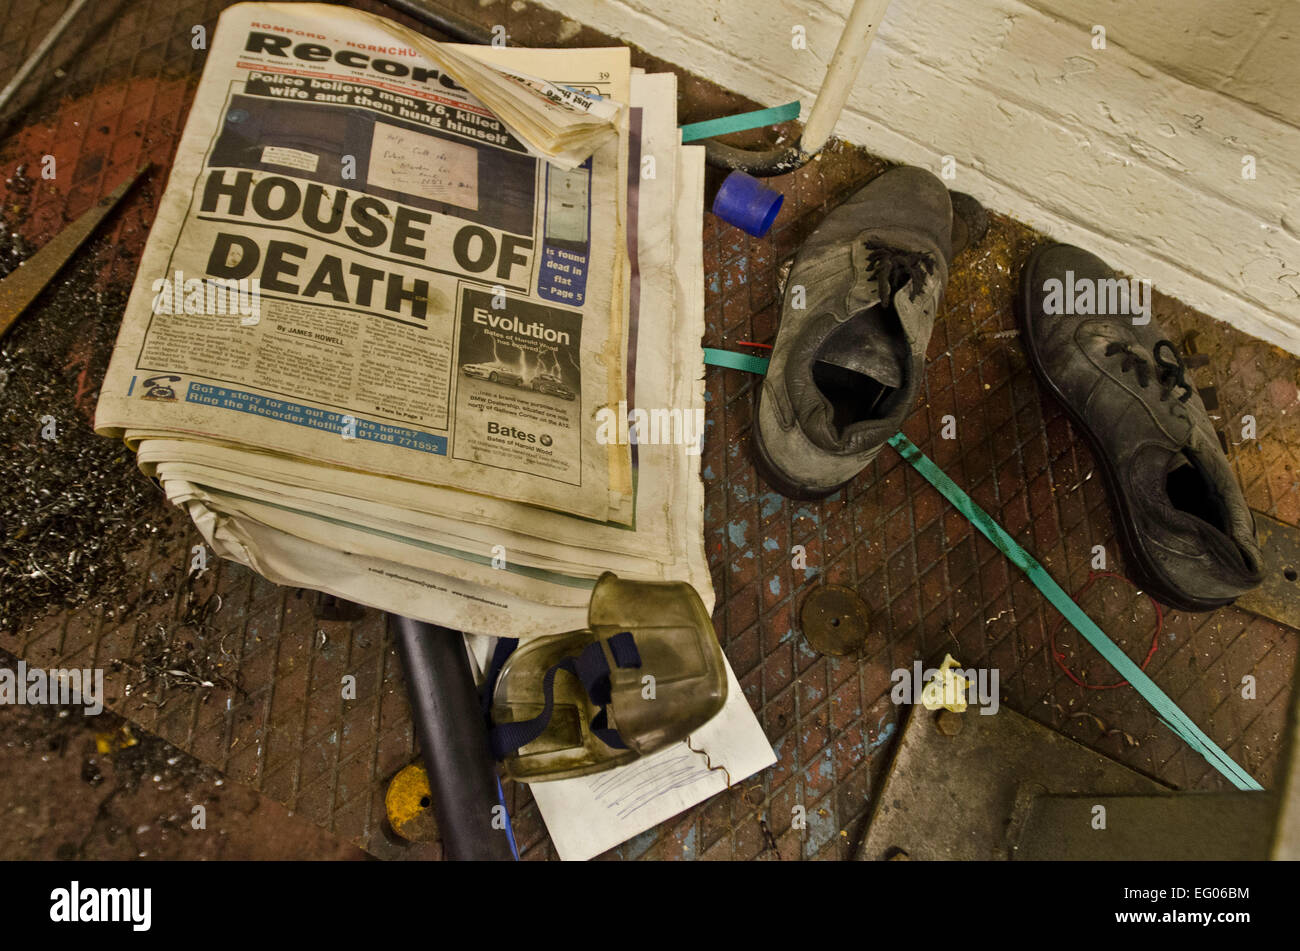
(419, 325)
(378, 347)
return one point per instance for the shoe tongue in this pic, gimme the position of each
(865, 345)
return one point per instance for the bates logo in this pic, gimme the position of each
(496, 429)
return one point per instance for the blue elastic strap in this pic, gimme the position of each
(623, 647)
(505, 647)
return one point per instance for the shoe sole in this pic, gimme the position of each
(1145, 574)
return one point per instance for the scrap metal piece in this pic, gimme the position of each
(1286, 831)
(948, 723)
(1171, 827)
(834, 620)
(966, 796)
(1278, 596)
(23, 285)
(1192, 356)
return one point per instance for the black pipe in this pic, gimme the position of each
(444, 21)
(453, 741)
(759, 164)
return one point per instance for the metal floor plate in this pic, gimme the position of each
(964, 796)
(1278, 597)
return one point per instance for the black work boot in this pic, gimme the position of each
(847, 366)
(1187, 533)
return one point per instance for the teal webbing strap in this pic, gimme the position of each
(1168, 711)
(735, 361)
(741, 122)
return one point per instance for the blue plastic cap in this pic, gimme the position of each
(745, 202)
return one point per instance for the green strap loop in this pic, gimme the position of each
(739, 123)
(735, 361)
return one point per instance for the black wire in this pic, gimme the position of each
(758, 164)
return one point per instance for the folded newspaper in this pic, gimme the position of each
(418, 325)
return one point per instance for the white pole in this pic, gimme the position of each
(850, 53)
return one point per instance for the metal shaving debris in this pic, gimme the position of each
(186, 656)
(71, 507)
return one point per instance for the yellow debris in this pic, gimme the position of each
(946, 690)
(107, 743)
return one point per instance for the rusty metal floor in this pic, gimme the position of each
(933, 585)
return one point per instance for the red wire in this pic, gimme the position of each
(750, 343)
(1155, 638)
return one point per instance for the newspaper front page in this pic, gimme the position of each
(433, 552)
(357, 264)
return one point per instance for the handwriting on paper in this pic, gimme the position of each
(626, 791)
(424, 166)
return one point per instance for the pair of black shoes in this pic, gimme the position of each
(860, 304)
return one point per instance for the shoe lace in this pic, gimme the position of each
(1164, 367)
(895, 268)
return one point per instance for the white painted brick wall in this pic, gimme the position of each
(1134, 152)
